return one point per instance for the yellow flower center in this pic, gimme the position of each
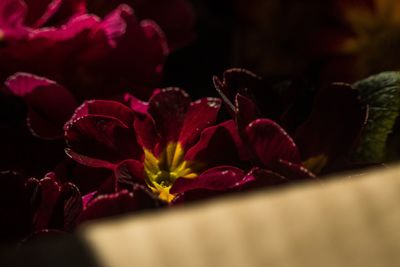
(162, 172)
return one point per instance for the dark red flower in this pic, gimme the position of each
(19, 17)
(31, 205)
(89, 55)
(169, 147)
(272, 159)
(325, 125)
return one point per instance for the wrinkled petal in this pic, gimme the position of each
(39, 11)
(87, 198)
(178, 29)
(104, 108)
(12, 15)
(270, 142)
(218, 145)
(222, 178)
(50, 52)
(50, 105)
(44, 194)
(146, 131)
(236, 81)
(131, 42)
(246, 110)
(144, 124)
(87, 179)
(136, 104)
(261, 178)
(168, 109)
(130, 172)
(201, 114)
(67, 209)
(69, 31)
(103, 138)
(119, 203)
(292, 171)
(264, 99)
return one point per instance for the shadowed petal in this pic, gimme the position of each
(12, 15)
(130, 172)
(44, 194)
(218, 145)
(50, 105)
(222, 178)
(103, 108)
(334, 125)
(270, 142)
(201, 114)
(130, 42)
(103, 138)
(119, 203)
(67, 209)
(260, 178)
(168, 109)
(246, 111)
(292, 171)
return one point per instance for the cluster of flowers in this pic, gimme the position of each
(142, 148)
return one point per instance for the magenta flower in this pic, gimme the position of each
(169, 148)
(325, 125)
(95, 57)
(175, 17)
(19, 17)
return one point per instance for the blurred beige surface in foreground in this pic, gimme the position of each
(345, 222)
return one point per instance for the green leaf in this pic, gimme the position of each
(382, 94)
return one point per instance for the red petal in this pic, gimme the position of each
(103, 138)
(87, 179)
(168, 109)
(104, 108)
(44, 195)
(12, 16)
(144, 124)
(68, 208)
(292, 171)
(218, 145)
(260, 178)
(222, 178)
(136, 104)
(246, 110)
(137, 51)
(270, 142)
(201, 114)
(40, 11)
(119, 203)
(50, 105)
(89, 161)
(130, 172)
